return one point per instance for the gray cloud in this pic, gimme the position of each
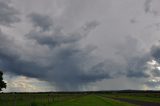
(65, 62)
(147, 5)
(137, 67)
(68, 65)
(8, 14)
(156, 72)
(135, 58)
(57, 37)
(137, 74)
(155, 52)
(42, 21)
(153, 83)
(54, 49)
(152, 6)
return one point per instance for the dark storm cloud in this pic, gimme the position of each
(70, 66)
(67, 64)
(70, 71)
(51, 54)
(42, 21)
(8, 14)
(59, 59)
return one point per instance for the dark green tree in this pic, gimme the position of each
(2, 83)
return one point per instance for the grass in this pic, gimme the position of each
(140, 97)
(76, 99)
(33, 99)
(91, 100)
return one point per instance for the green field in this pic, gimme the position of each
(148, 97)
(91, 100)
(74, 99)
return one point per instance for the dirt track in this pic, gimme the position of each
(137, 102)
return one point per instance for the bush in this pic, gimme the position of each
(34, 104)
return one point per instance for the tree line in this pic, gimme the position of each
(2, 83)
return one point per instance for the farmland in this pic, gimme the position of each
(80, 99)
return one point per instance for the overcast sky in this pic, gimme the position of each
(59, 45)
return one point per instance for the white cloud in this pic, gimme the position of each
(26, 84)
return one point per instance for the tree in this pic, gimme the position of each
(2, 83)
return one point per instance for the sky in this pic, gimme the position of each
(80, 45)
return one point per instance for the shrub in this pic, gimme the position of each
(34, 104)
